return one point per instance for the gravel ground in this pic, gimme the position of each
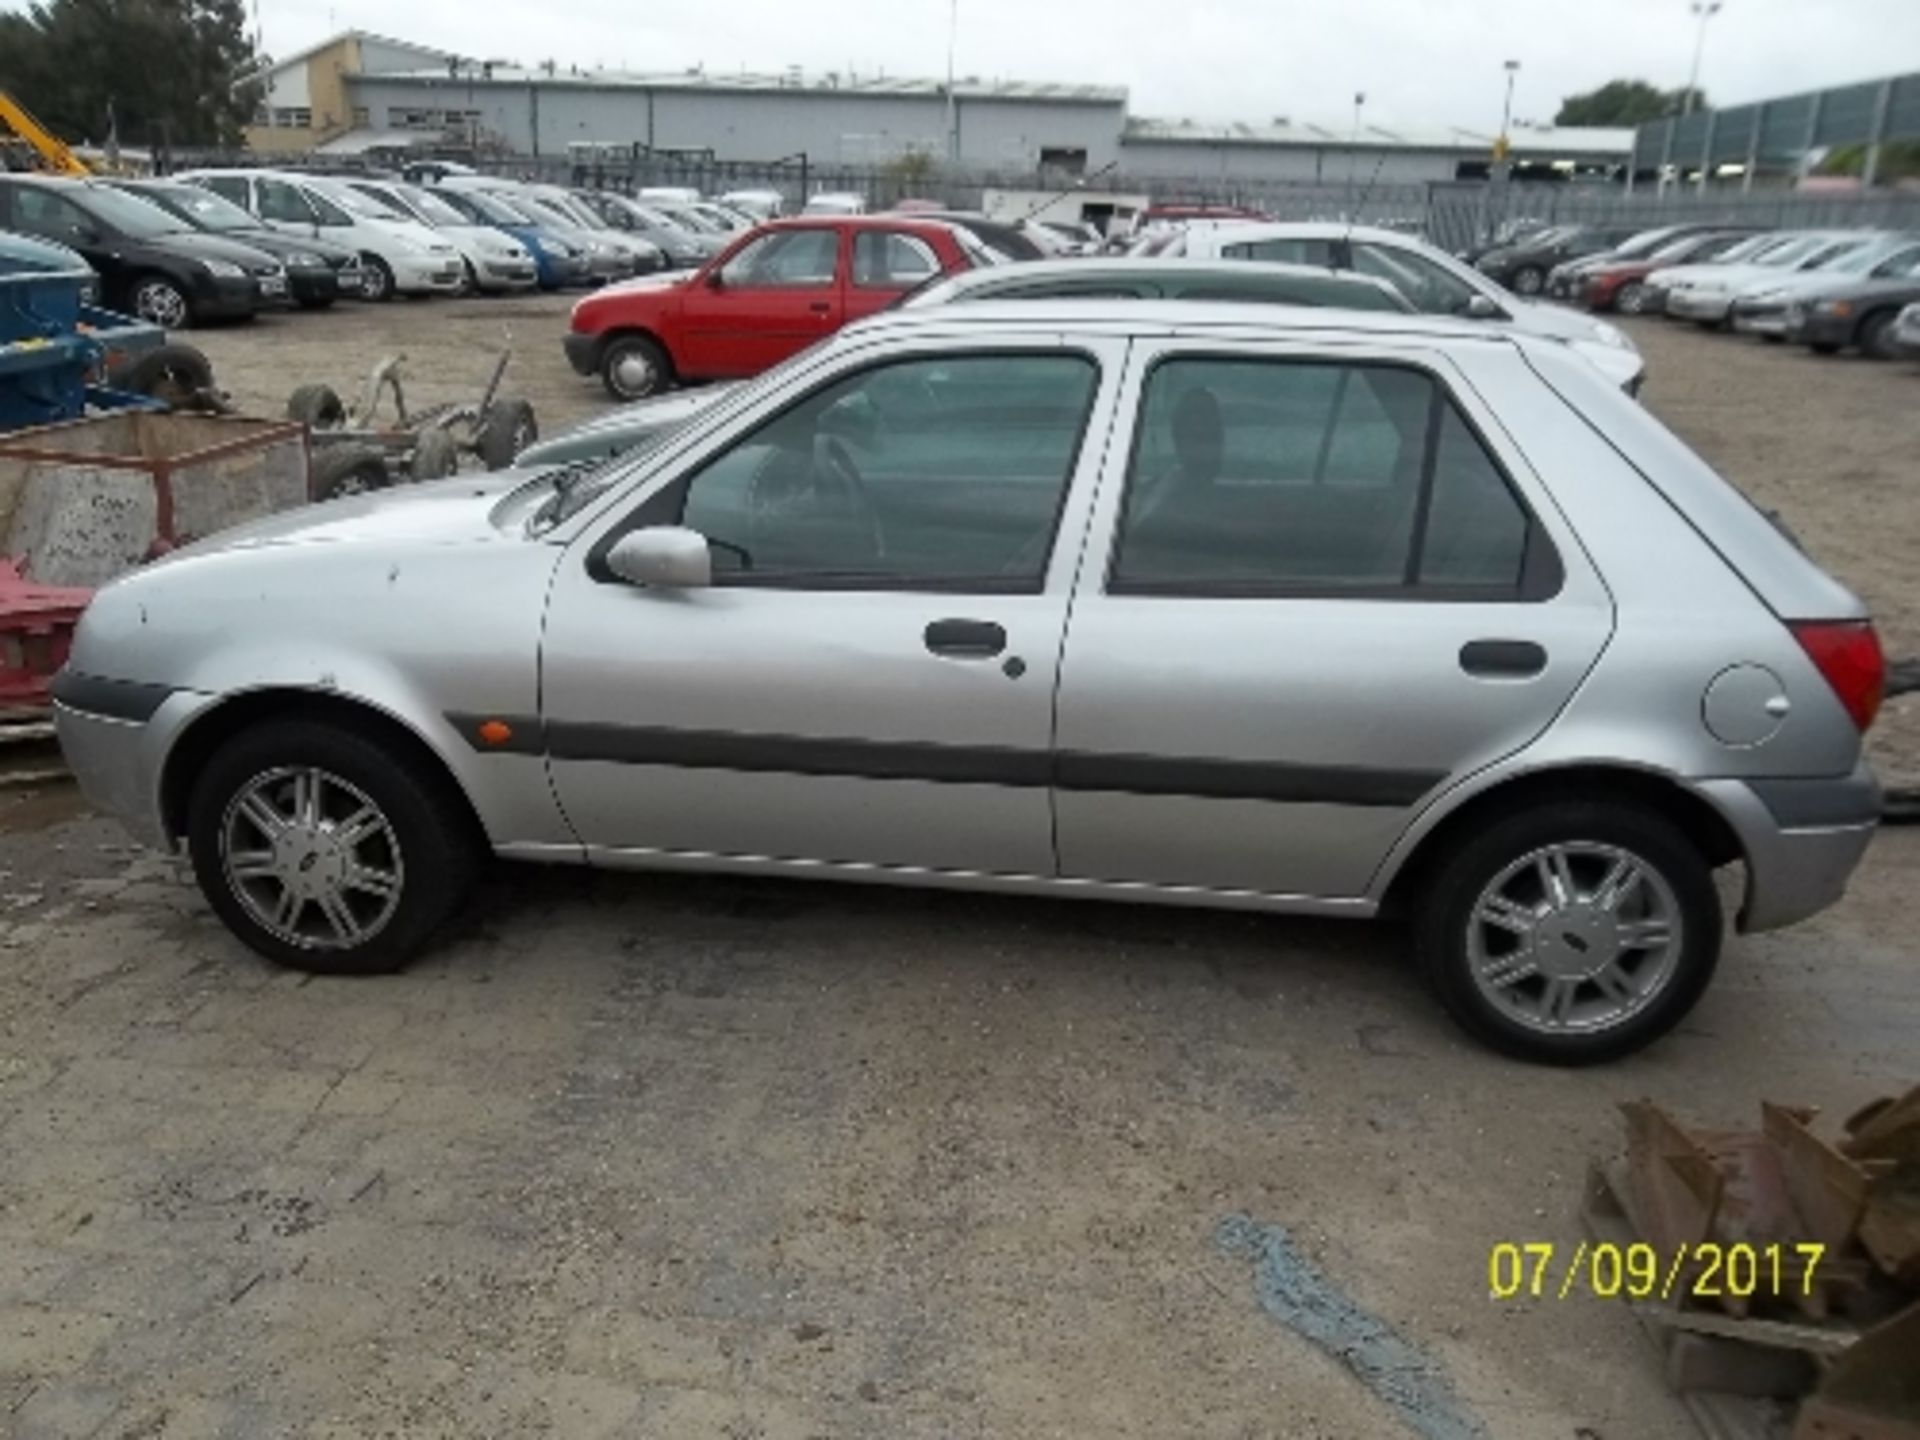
(714, 1158)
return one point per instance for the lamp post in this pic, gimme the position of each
(1703, 10)
(1502, 171)
(953, 125)
(1353, 149)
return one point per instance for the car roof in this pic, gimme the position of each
(1186, 317)
(1135, 267)
(1309, 230)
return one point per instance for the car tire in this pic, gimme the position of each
(1515, 980)
(1631, 298)
(347, 469)
(159, 301)
(1824, 347)
(435, 455)
(177, 375)
(508, 429)
(1529, 280)
(409, 870)
(1876, 336)
(632, 367)
(376, 279)
(317, 407)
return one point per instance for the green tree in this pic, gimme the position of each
(1625, 102)
(167, 72)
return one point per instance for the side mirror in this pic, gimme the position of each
(1481, 308)
(665, 557)
(716, 280)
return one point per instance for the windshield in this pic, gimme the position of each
(690, 220)
(490, 208)
(1649, 242)
(1852, 259)
(202, 207)
(430, 206)
(575, 210)
(541, 213)
(1793, 251)
(127, 213)
(361, 203)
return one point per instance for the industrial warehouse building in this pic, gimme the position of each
(361, 94)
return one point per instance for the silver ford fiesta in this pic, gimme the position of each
(1292, 610)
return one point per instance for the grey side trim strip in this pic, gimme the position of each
(1822, 804)
(957, 764)
(130, 700)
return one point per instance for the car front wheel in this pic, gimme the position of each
(1572, 932)
(324, 850)
(1632, 299)
(634, 367)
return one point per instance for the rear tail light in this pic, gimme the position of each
(1847, 653)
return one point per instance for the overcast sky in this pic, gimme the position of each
(1419, 61)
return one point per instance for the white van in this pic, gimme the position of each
(399, 256)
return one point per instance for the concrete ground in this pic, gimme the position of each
(635, 1156)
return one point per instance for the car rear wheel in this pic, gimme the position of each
(1631, 299)
(1529, 280)
(324, 851)
(1571, 933)
(634, 367)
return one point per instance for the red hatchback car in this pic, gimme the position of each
(772, 293)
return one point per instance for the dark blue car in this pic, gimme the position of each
(559, 262)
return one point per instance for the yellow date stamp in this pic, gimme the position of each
(1540, 1270)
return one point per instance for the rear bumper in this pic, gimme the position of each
(583, 352)
(1803, 840)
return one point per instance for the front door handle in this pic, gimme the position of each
(1502, 659)
(966, 639)
(820, 307)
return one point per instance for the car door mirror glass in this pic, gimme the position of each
(669, 557)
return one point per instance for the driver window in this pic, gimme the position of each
(281, 201)
(786, 259)
(1429, 288)
(938, 473)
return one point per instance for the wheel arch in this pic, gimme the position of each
(1862, 325)
(212, 727)
(1696, 816)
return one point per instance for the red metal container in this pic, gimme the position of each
(36, 631)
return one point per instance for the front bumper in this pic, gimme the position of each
(220, 297)
(506, 274)
(1699, 304)
(115, 737)
(1802, 840)
(426, 274)
(1761, 318)
(316, 287)
(583, 352)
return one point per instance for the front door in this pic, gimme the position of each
(869, 680)
(774, 296)
(1319, 595)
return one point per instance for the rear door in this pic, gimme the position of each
(884, 265)
(1320, 584)
(774, 296)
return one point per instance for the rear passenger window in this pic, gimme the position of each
(1261, 477)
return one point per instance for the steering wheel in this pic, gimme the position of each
(834, 464)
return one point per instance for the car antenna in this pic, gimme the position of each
(1077, 183)
(1360, 205)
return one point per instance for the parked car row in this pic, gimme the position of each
(1828, 289)
(209, 245)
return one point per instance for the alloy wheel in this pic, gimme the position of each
(160, 303)
(635, 374)
(1632, 298)
(312, 858)
(1574, 938)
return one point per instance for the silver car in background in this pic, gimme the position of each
(1224, 605)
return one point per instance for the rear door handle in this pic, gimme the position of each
(1503, 659)
(966, 639)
